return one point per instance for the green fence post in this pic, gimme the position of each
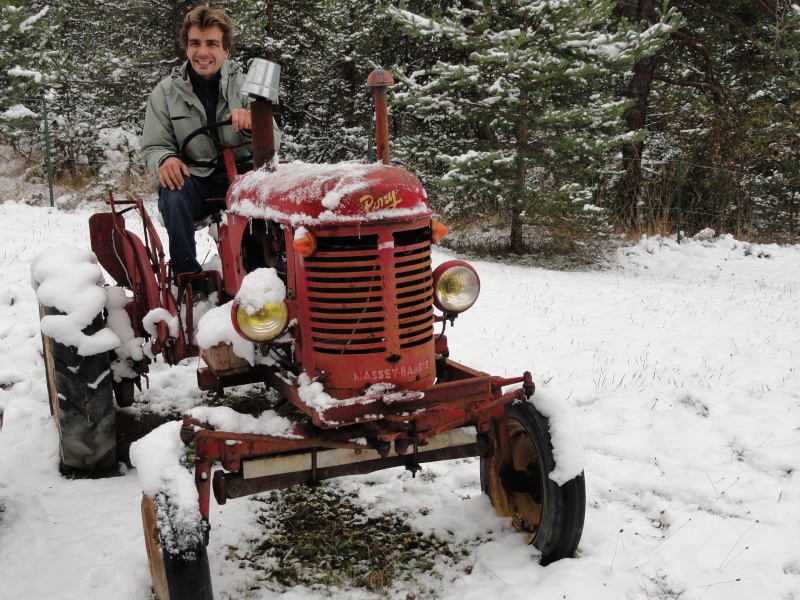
(678, 199)
(47, 149)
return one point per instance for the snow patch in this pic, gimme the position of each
(156, 316)
(18, 111)
(259, 287)
(216, 327)
(69, 280)
(223, 418)
(565, 435)
(165, 475)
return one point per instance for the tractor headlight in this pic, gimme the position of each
(259, 312)
(455, 287)
(263, 325)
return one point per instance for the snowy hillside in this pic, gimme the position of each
(681, 364)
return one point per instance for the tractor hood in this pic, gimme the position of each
(299, 193)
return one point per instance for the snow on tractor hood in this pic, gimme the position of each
(299, 193)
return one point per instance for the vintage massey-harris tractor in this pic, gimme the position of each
(327, 276)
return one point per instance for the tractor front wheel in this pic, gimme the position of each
(551, 514)
(179, 575)
(81, 401)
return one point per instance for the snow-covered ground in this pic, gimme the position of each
(679, 362)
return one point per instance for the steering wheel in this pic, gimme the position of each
(211, 131)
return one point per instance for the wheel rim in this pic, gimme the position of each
(155, 558)
(526, 507)
(525, 502)
(50, 378)
(49, 370)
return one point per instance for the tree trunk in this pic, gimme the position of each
(636, 119)
(517, 246)
(516, 232)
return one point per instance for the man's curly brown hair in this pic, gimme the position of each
(204, 18)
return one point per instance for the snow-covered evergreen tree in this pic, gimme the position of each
(27, 61)
(326, 49)
(525, 119)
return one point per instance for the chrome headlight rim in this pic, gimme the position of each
(462, 273)
(276, 319)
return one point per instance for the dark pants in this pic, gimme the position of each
(180, 209)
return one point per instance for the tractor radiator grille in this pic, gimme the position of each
(363, 299)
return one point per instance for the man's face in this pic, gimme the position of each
(205, 51)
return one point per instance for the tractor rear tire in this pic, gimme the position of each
(82, 402)
(551, 514)
(182, 576)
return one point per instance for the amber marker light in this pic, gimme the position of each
(438, 230)
(306, 244)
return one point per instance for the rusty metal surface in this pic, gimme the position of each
(132, 262)
(526, 505)
(230, 161)
(366, 307)
(381, 124)
(379, 80)
(467, 395)
(469, 400)
(227, 486)
(322, 458)
(263, 132)
(139, 264)
(380, 77)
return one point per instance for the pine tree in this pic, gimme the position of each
(326, 49)
(94, 80)
(27, 61)
(529, 115)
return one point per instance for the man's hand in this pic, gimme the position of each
(171, 173)
(240, 119)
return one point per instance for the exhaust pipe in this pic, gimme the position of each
(261, 84)
(379, 80)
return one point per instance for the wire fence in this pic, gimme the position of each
(687, 197)
(63, 144)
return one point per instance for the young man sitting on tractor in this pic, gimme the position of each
(202, 92)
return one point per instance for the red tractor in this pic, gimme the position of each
(328, 273)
